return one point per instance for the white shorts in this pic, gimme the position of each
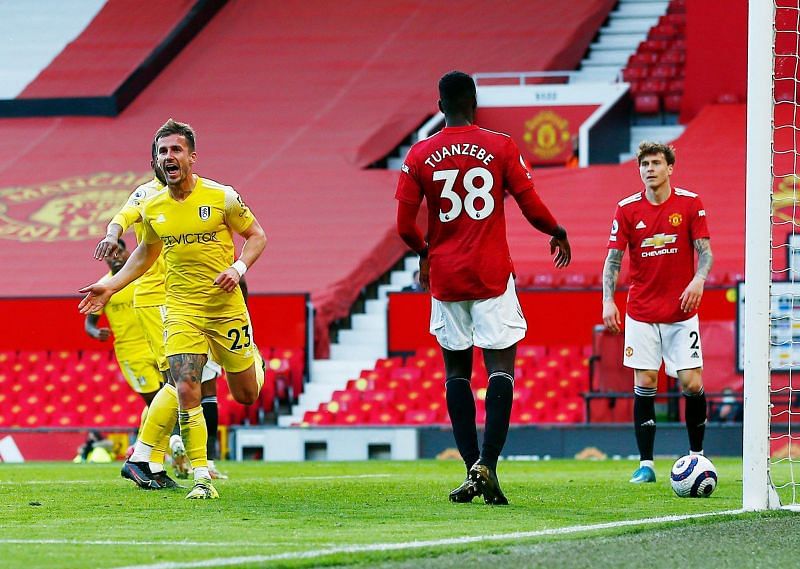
(677, 343)
(492, 323)
(211, 370)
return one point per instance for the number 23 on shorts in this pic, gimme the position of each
(237, 335)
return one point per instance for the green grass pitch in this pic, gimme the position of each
(382, 514)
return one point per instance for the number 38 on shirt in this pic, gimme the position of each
(477, 182)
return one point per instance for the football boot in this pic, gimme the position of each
(643, 475)
(488, 485)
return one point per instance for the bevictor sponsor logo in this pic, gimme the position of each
(190, 238)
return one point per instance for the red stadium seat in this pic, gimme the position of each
(656, 46)
(643, 59)
(673, 57)
(647, 104)
(672, 104)
(663, 32)
(630, 74)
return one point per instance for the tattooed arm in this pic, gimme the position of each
(611, 268)
(693, 293)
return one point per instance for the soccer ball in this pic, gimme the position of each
(693, 476)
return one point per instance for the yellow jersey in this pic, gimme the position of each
(198, 246)
(129, 341)
(148, 290)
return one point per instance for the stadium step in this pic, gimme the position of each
(618, 24)
(658, 133)
(608, 57)
(640, 8)
(627, 41)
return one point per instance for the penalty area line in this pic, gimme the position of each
(312, 554)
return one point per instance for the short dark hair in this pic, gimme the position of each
(646, 148)
(457, 92)
(174, 127)
(121, 244)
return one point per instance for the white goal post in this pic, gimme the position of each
(765, 420)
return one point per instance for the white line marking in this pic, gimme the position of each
(134, 542)
(229, 561)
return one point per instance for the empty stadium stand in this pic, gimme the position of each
(86, 389)
(410, 391)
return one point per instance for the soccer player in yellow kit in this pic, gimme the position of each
(192, 220)
(149, 300)
(136, 361)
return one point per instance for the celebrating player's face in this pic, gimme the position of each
(174, 158)
(654, 170)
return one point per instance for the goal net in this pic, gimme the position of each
(771, 451)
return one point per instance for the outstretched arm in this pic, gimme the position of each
(611, 268)
(254, 245)
(141, 259)
(693, 293)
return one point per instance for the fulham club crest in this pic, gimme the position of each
(205, 212)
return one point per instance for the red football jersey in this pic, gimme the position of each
(661, 241)
(463, 173)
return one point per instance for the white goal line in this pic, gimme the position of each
(312, 554)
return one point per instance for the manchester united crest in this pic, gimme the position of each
(547, 134)
(675, 219)
(628, 352)
(71, 209)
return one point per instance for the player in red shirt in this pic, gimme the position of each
(463, 172)
(663, 227)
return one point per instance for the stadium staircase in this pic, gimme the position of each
(355, 349)
(626, 28)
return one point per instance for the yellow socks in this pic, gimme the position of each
(160, 417)
(195, 436)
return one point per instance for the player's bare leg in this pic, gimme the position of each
(461, 408)
(246, 385)
(696, 407)
(644, 422)
(499, 398)
(187, 371)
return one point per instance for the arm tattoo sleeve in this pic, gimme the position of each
(611, 270)
(704, 257)
(187, 367)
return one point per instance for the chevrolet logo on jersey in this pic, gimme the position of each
(658, 242)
